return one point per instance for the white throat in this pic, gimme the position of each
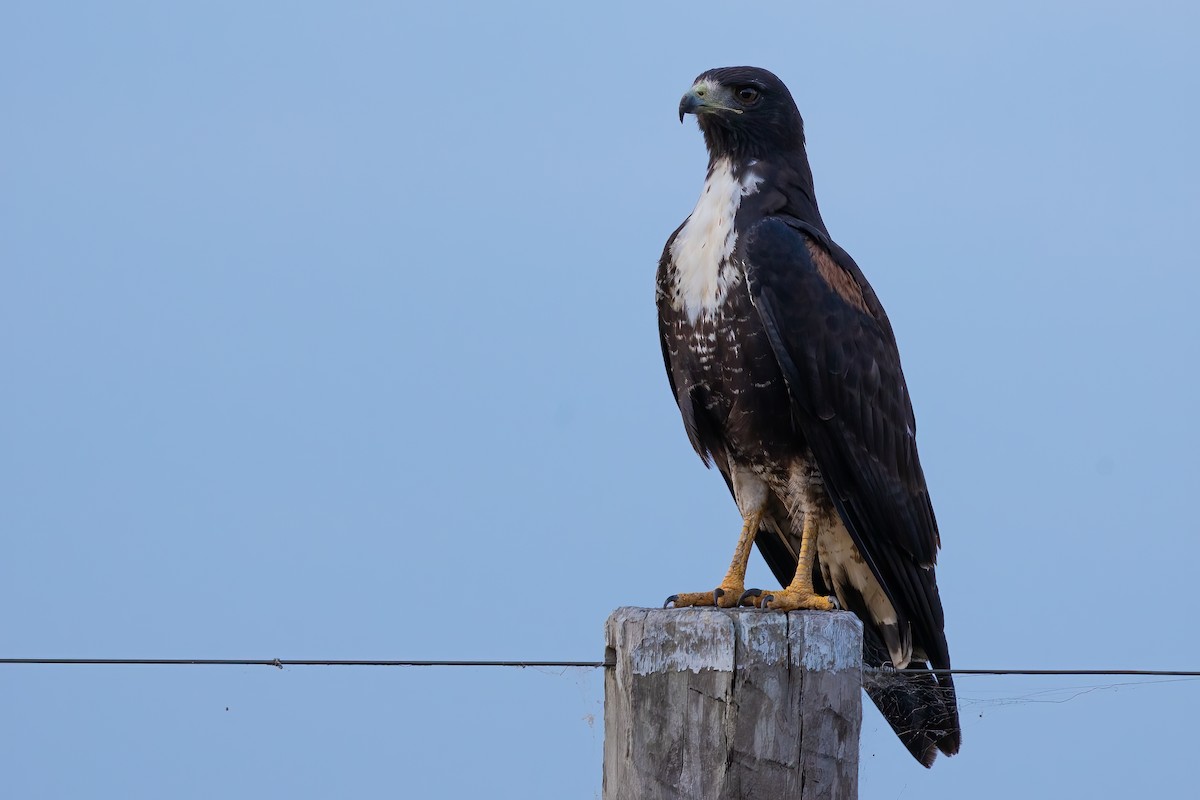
(702, 249)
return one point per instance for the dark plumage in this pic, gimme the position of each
(788, 378)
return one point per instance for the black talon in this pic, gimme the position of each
(766, 598)
(717, 595)
(833, 601)
(670, 600)
(749, 593)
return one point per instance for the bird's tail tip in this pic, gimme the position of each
(921, 708)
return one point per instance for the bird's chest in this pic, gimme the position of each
(728, 353)
(719, 350)
(704, 271)
(728, 369)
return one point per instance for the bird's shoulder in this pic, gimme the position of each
(792, 256)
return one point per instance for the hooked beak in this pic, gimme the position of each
(690, 104)
(707, 97)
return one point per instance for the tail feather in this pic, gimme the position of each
(921, 708)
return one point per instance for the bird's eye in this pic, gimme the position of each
(747, 95)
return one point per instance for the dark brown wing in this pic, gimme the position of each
(838, 354)
(837, 350)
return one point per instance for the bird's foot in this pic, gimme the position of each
(789, 599)
(726, 595)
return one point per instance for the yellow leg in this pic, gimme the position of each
(799, 593)
(729, 593)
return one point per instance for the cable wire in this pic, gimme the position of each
(280, 663)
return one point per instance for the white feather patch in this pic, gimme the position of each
(701, 251)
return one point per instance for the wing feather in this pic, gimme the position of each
(838, 354)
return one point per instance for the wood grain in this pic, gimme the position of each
(718, 704)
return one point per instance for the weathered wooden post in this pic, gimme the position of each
(710, 704)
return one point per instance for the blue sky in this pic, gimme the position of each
(327, 331)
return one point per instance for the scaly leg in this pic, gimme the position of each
(729, 593)
(799, 593)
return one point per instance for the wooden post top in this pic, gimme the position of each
(724, 639)
(717, 704)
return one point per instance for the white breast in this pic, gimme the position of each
(701, 250)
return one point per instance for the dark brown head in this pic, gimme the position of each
(744, 112)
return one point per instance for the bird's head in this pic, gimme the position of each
(744, 112)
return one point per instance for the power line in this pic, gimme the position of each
(1146, 673)
(280, 663)
(283, 662)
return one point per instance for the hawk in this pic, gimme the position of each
(788, 379)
